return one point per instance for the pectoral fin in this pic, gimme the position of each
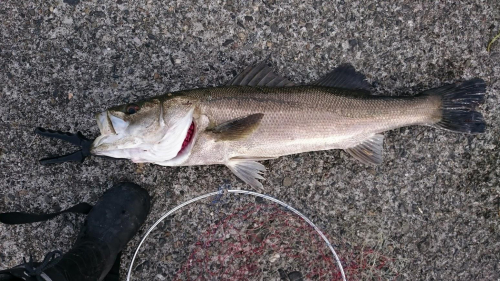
(370, 151)
(247, 170)
(237, 128)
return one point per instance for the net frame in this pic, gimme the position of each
(237, 192)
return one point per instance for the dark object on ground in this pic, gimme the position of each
(77, 139)
(295, 276)
(109, 226)
(72, 2)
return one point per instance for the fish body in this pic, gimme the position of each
(254, 119)
(299, 119)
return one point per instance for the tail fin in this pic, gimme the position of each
(459, 102)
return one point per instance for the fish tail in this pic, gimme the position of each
(458, 105)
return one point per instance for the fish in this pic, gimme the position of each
(260, 115)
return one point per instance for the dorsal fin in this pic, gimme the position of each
(260, 75)
(237, 128)
(370, 151)
(346, 77)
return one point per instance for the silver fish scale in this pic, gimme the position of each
(303, 118)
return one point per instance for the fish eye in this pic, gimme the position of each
(132, 108)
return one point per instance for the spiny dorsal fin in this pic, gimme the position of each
(238, 128)
(247, 170)
(346, 77)
(370, 151)
(260, 75)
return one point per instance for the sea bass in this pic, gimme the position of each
(260, 115)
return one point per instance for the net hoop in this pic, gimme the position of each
(237, 191)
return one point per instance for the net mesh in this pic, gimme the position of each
(242, 237)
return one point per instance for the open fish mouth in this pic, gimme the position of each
(105, 124)
(106, 129)
(110, 128)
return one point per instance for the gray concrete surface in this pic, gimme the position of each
(434, 202)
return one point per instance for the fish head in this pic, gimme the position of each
(155, 130)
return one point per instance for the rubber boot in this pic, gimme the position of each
(109, 226)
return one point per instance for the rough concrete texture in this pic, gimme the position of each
(433, 205)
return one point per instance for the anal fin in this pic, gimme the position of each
(247, 170)
(370, 151)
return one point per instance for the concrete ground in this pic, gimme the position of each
(433, 206)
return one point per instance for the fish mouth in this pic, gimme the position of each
(104, 123)
(188, 139)
(110, 127)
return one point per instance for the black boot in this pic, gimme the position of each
(109, 226)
